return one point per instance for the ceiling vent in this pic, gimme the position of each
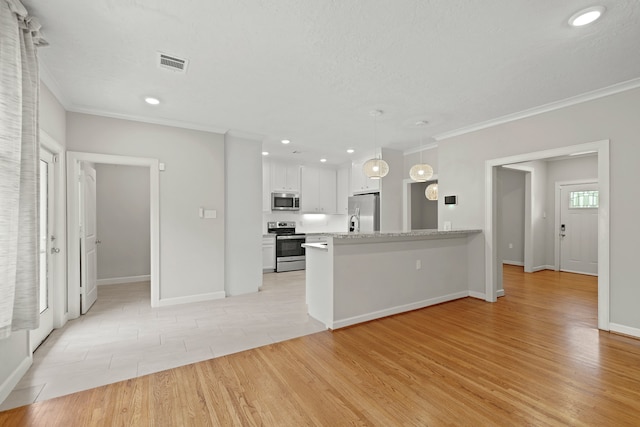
(172, 63)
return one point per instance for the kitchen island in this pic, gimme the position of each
(357, 277)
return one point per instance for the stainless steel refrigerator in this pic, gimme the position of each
(364, 213)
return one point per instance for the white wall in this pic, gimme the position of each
(462, 164)
(564, 170)
(429, 156)
(539, 216)
(191, 248)
(123, 221)
(391, 192)
(511, 213)
(53, 117)
(243, 246)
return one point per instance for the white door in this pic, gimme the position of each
(48, 249)
(579, 228)
(88, 238)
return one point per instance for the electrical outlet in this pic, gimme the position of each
(418, 264)
(510, 245)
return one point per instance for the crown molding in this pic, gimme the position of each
(151, 120)
(421, 148)
(578, 99)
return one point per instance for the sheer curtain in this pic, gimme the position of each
(19, 156)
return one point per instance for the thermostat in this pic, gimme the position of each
(450, 200)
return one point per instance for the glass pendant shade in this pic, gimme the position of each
(421, 172)
(431, 192)
(375, 168)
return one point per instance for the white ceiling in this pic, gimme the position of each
(310, 71)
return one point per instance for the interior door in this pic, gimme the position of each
(88, 238)
(579, 228)
(48, 249)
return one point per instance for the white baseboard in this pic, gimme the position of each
(626, 330)
(482, 296)
(579, 272)
(127, 279)
(518, 263)
(164, 302)
(543, 267)
(479, 295)
(7, 386)
(395, 310)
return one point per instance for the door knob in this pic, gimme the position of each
(98, 242)
(55, 250)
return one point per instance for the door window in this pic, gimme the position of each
(583, 199)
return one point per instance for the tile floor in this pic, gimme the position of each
(122, 337)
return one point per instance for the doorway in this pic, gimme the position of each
(424, 212)
(418, 213)
(493, 279)
(75, 161)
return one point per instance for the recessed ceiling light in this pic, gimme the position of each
(323, 160)
(350, 150)
(265, 153)
(586, 16)
(285, 141)
(152, 101)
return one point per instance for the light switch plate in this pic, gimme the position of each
(210, 213)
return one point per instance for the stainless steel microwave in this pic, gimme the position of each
(285, 202)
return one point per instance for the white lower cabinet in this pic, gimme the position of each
(268, 253)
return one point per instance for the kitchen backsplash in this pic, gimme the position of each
(309, 223)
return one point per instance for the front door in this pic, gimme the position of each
(579, 228)
(88, 238)
(48, 248)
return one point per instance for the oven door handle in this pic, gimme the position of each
(290, 237)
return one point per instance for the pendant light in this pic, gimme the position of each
(422, 171)
(431, 192)
(375, 168)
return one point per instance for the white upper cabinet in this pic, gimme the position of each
(318, 192)
(342, 190)
(327, 194)
(285, 177)
(360, 183)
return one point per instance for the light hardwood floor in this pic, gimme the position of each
(533, 358)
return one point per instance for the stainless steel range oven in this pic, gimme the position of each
(290, 254)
